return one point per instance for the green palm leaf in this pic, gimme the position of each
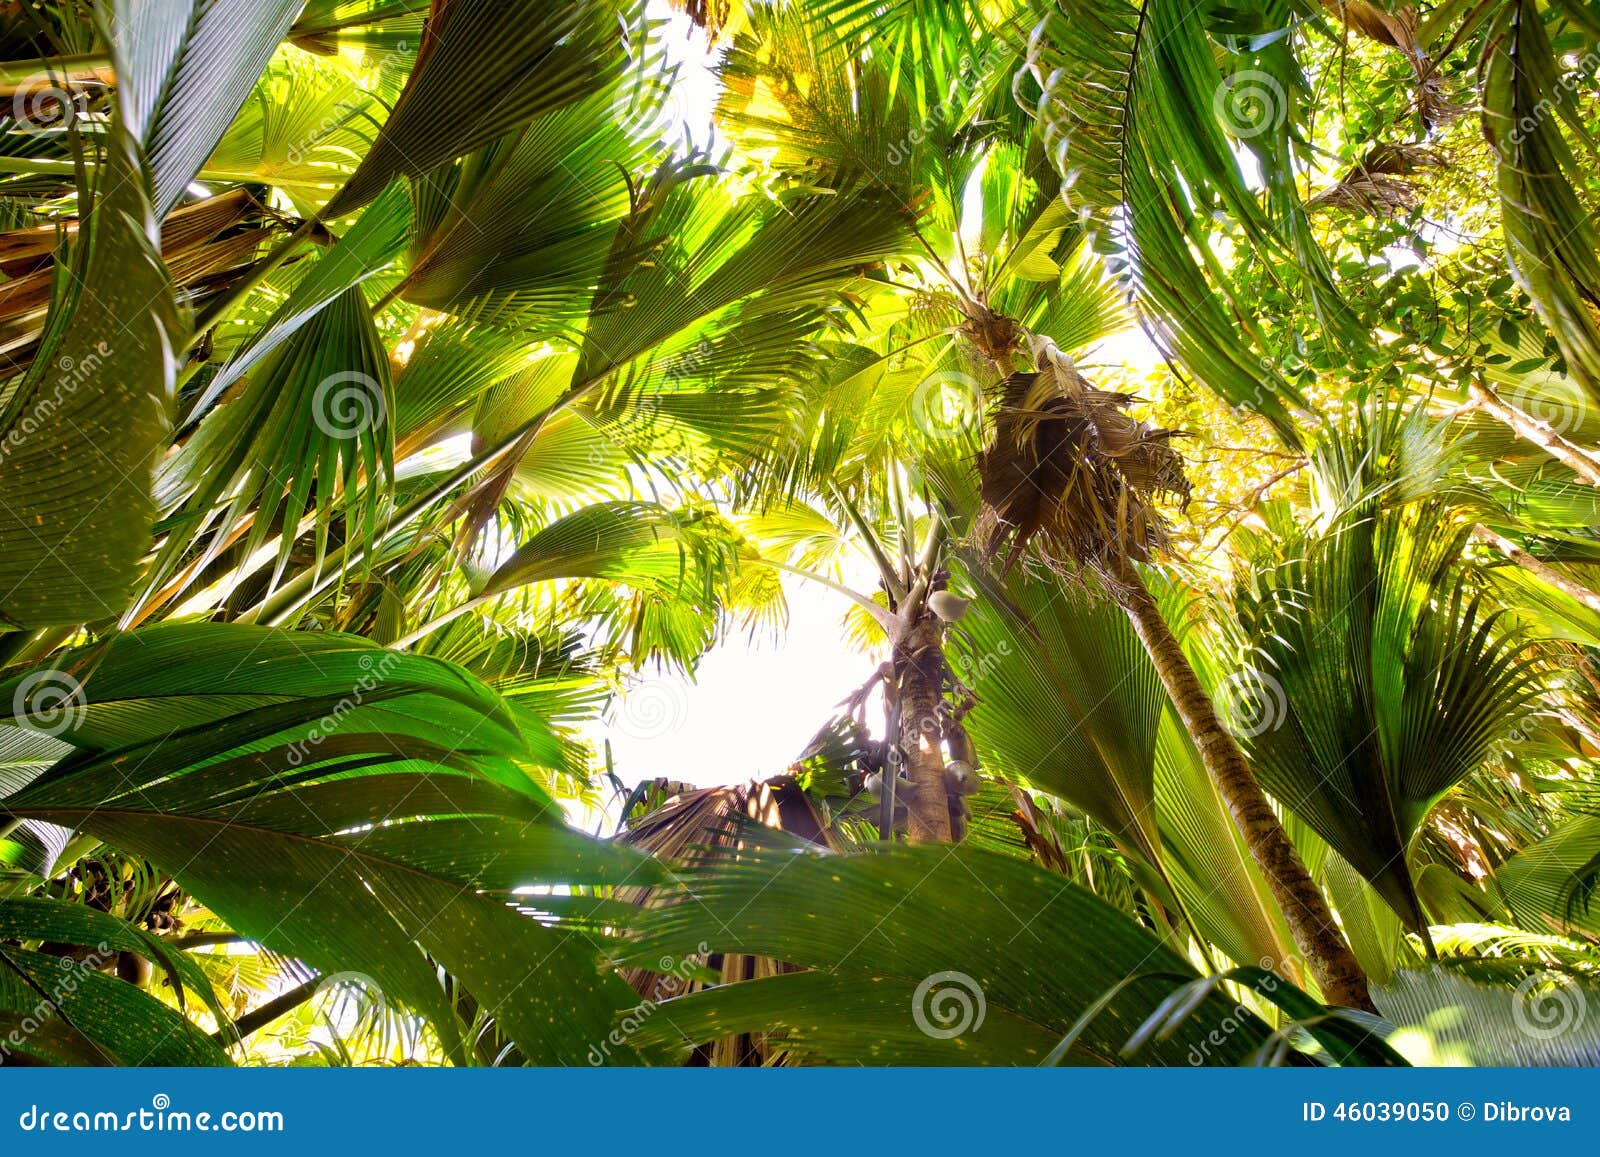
(1551, 241)
(938, 956)
(483, 69)
(83, 429)
(185, 70)
(1071, 703)
(1381, 682)
(349, 806)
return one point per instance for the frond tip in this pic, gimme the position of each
(1070, 467)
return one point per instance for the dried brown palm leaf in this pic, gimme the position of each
(1377, 183)
(1070, 468)
(712, 15)
(206, 245)
(1398, 30)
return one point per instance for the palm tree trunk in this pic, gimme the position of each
(918, 663)
(1327, 953)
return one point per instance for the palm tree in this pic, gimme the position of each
(1045, 466)
(1068, 468)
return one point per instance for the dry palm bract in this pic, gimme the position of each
(1070, 467)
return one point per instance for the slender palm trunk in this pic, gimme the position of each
(1326, 952)
(918, 664)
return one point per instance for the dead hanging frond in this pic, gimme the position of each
(1398, 30)
(1378, 184)
(711, 15)
(1070, 468)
